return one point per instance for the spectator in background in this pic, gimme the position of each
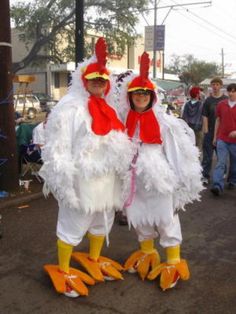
(225, 141)
(208, 113)
(39, 132)
(192, 114)
(18, 119)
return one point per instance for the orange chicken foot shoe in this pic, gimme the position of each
(142, 263)
(170, 274)
(143, 260)
(71, 284)
(101, 269)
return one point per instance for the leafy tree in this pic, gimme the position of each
(47, 24)
(192, 71)
(175, 64)
(201, 70)
(187, 78)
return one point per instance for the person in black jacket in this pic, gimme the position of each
(209, 118)
(192, 114)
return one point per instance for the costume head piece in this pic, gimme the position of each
(195, 92)
(142, 81)
(97, 69)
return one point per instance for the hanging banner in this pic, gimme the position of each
(159, 38)
(149, 35)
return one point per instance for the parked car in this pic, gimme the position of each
(31, 104)
(27, 105)
(46, 102)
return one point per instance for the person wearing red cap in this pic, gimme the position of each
(192, 114)
(82, 168)
(164, 176)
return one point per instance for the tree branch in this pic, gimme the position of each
(39, 43)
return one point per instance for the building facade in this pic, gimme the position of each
(53, 79)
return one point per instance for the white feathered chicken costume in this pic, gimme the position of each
(164, 176)
(82, 167)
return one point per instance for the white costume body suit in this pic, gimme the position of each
(83, 170)
(167, 177)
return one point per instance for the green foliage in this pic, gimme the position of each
(48, 24)
(192, 71)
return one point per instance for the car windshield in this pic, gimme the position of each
(31, 99)
(43, 97)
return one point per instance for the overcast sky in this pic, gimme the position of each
(201, 29)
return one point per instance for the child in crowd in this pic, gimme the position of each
(192, 114)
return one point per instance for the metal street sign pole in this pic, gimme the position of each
(154, 29)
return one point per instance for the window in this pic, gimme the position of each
(57, 80)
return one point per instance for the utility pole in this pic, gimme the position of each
(155, 24)
(79, 31)
(222, 63)
(163, 65)
(9, 172)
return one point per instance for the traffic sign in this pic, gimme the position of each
(159, 38)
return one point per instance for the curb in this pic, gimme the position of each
(19, 200)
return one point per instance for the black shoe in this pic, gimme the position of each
(215, 190)
(122, 220)
(205, 181)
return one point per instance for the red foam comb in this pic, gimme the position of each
(101, 52)
(144, 66)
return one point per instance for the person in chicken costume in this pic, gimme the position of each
(84, 145)
(164, 176)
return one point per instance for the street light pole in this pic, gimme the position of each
(79, 31)
(9, 174)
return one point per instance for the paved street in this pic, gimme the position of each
(209, 246)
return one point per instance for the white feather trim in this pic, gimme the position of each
(154, 170)
(182, 156)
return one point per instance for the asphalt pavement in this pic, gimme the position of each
(29, 242)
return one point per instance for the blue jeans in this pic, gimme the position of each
(207, 152)
(224, 150)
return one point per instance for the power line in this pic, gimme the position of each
(219, 29)
(208, 23)
(203, 26)
(195, 44)
(176, 5)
